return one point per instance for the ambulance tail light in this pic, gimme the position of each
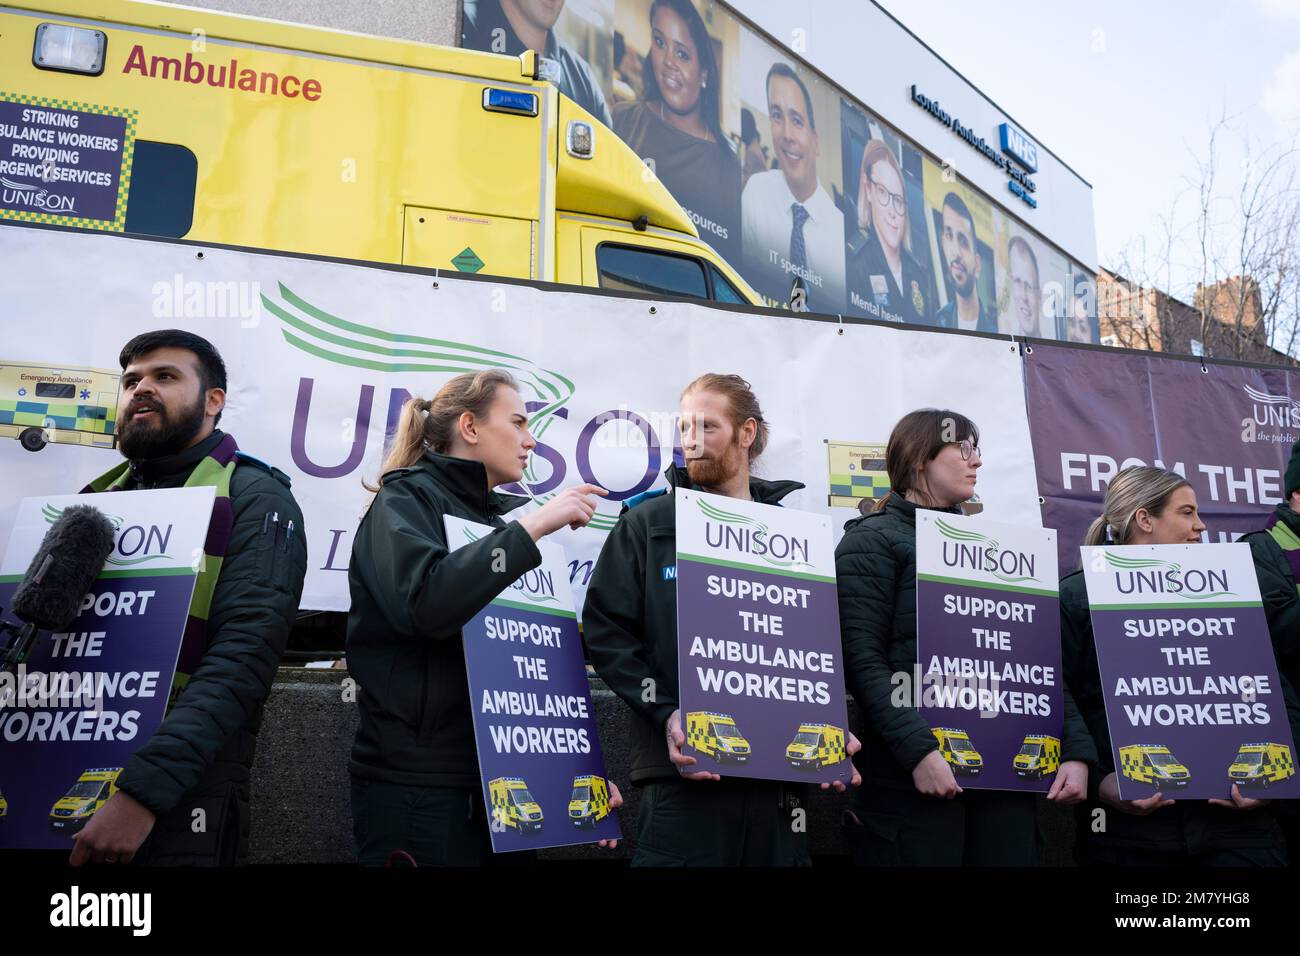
(69, 49)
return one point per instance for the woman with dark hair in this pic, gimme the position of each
(677, 124)
(885, 280)
(910, 810)
(415, 778)
(1146, 505)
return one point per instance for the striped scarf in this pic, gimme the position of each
(1289, 542)
(216, 470)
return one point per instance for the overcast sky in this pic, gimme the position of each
(1125, 91)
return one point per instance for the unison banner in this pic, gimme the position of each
(321, 356)
(760, 669)
(988, 645)
(1228, 429)
(1193, 699)
(88, 698)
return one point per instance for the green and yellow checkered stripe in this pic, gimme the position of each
(124, 181)
(835, 751)
(864, 484)
(1133, 767)
(82, 418)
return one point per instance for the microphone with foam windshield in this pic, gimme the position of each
(48, 598)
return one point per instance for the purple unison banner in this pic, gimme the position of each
(544, 777)
(988, 646)
(88, 698)
(758, 641)
(1193, 699)
(1228, 429)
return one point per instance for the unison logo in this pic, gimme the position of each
(19, 195)
(309, 328)
(1153, 576)
(1280, 411)
(132, 545)
(723, 529)
(978, 552)
(537, 586)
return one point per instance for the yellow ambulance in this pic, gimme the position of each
(816, 745)
(513, 806)
(71, 405)
(73, 810)
(1038, 756)
(1153, 764)
(589, 801)
(716, 736)
(253, 132)
(957, 749)
(1262, 764)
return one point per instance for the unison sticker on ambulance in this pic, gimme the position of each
(65, 162)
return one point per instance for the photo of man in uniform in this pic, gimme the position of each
(513, 26)
(963, 262)
(792, 228)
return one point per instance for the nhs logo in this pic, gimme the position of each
(1019, 147)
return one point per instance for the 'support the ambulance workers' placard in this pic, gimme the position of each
(988, 645)
(1193, 699)
(544, 776)
(760, 676)
(87, 699)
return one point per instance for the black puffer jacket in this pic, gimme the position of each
(411, 595)
(875, 565)
(1191, 826)
(1277, 588)
(629, 619)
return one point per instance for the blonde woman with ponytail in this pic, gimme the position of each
(415, 782)
(1146, 505)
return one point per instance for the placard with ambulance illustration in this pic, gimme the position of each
(90, 697)
(988, 647)
(1193, 700)
(760, 671)
(544, 778)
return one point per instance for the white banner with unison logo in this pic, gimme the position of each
(321, 355)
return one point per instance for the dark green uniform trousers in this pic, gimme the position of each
(728, 822)
(893, 826)
(435, 826)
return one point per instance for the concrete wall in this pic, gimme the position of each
(425, 21)
(301, 809)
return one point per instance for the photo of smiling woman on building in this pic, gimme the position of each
(885, 280)
(677, 122)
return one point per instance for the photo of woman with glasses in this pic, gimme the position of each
(910, 810)
(885, 280)
(677, 123)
